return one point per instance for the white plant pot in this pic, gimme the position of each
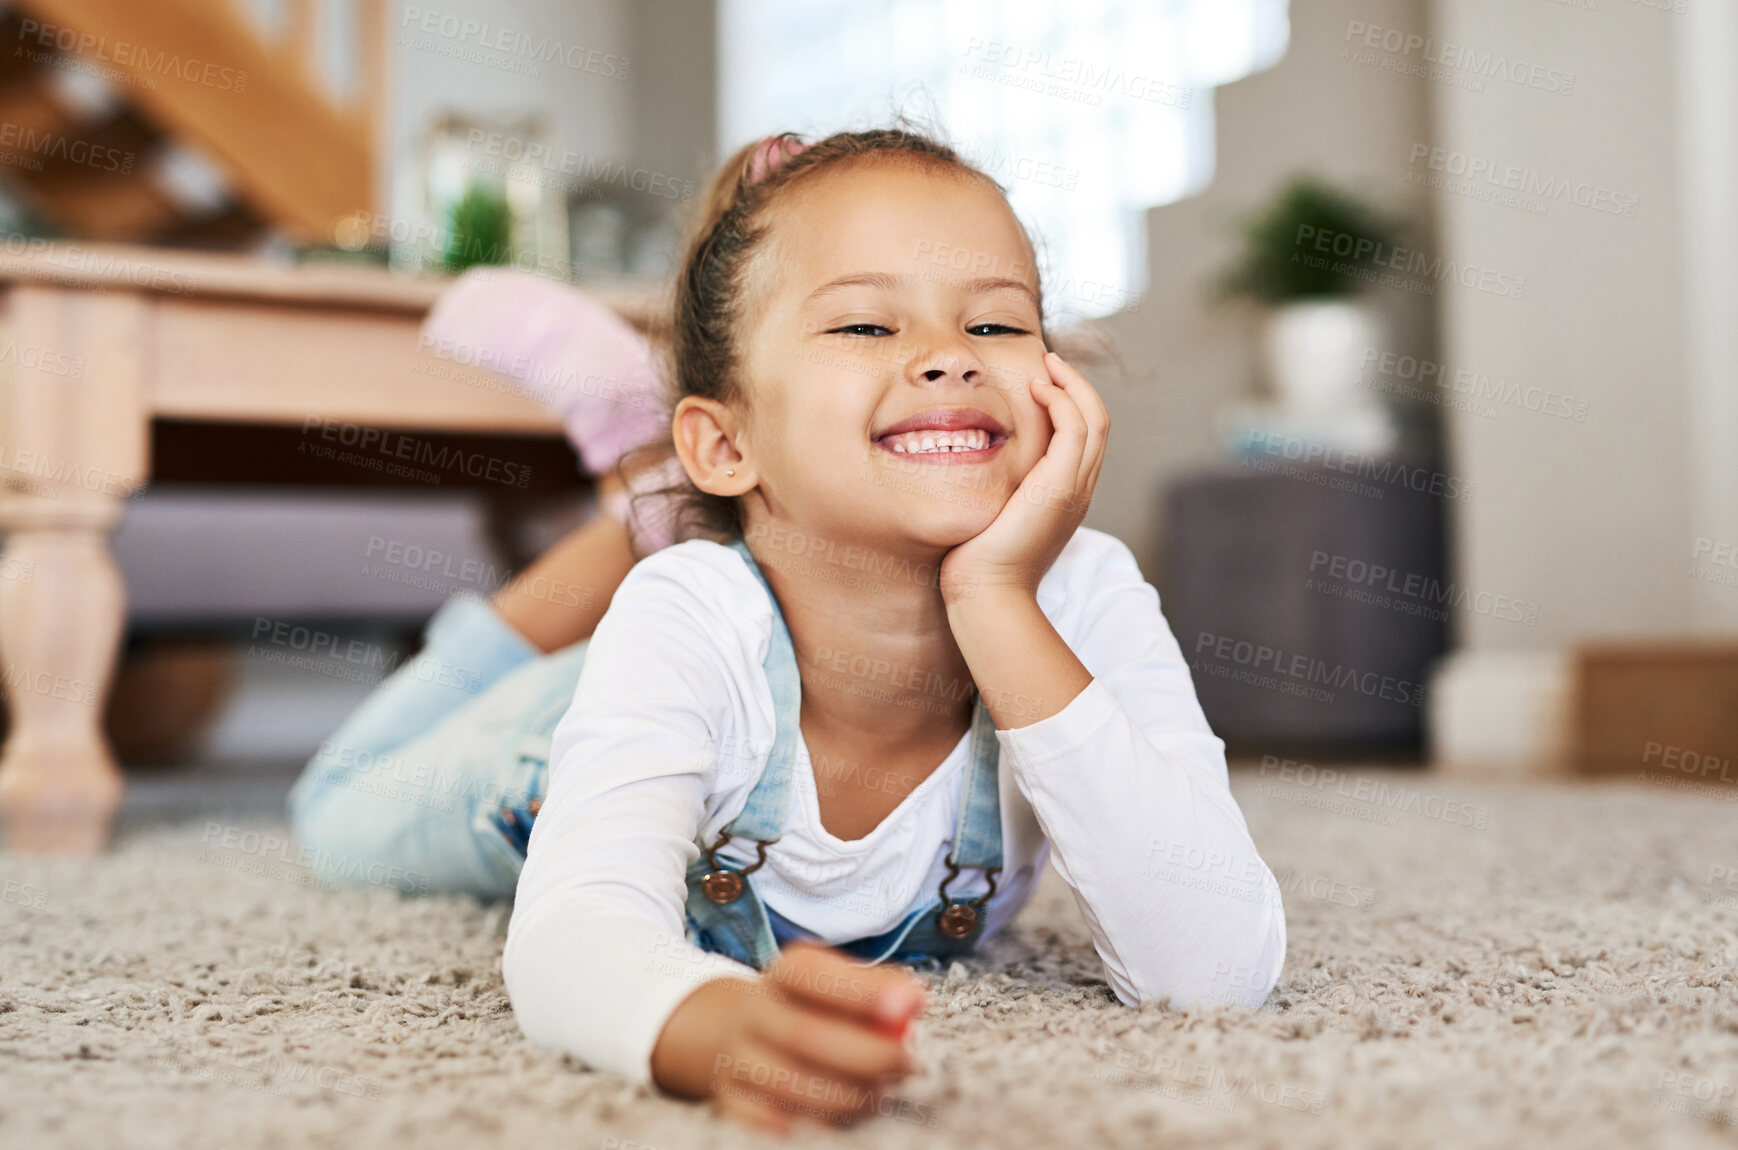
(1316, 350)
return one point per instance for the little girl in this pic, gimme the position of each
(884, 677)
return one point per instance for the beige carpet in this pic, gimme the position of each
(1562, 976)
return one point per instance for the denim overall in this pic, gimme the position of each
(741, 926)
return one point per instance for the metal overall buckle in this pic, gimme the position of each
(726, 886)
(960, 919)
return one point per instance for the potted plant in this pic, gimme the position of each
(1308, 255)
(479, 230)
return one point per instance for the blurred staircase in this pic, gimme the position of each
(188, 122)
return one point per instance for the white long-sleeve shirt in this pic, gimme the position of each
(672, 720)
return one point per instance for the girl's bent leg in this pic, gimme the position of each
(467, 649)
(442, 812)
(372, 796)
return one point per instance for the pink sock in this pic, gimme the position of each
(573, 353)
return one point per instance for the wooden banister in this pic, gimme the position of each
(301, 43)
(197, 69)
(373, 55)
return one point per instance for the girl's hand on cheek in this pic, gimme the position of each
(1021, 543)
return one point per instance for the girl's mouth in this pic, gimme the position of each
(965, 445)
(945, 435)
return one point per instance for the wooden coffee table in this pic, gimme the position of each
(96, 341)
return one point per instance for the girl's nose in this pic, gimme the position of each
(936, 373)
(940, 362)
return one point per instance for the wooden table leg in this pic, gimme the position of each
(62, 607)
(71, 448)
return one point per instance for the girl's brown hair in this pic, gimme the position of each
(712, 296)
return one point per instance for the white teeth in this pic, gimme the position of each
(934, 442)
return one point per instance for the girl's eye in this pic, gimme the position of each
(997, 329)
(860, 329)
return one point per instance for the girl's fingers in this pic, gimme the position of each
(1093, 413)
(827, 980)
(1081, 388)
(1068, 423)
(836, 1045)
(1058, 466)
(1073, 428)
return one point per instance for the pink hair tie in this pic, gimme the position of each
(770, 153)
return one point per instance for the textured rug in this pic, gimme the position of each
(1470, 965)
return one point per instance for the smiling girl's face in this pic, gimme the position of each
(894, 329)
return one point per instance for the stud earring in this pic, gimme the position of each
(730, 471)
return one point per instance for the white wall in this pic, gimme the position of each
(1597, 521)
(1707, 42)
(1589, 519)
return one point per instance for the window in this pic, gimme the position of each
(1089, 112)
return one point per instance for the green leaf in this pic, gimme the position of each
(1281, 260)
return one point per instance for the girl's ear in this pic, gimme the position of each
(704, 430)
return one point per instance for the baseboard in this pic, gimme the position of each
(1662, 708)
(1500, 713)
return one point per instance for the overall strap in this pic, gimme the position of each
(977, 840)
(724, 912)
(763, 816)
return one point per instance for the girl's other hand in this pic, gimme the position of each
(819, 1035)
(1021, 543)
